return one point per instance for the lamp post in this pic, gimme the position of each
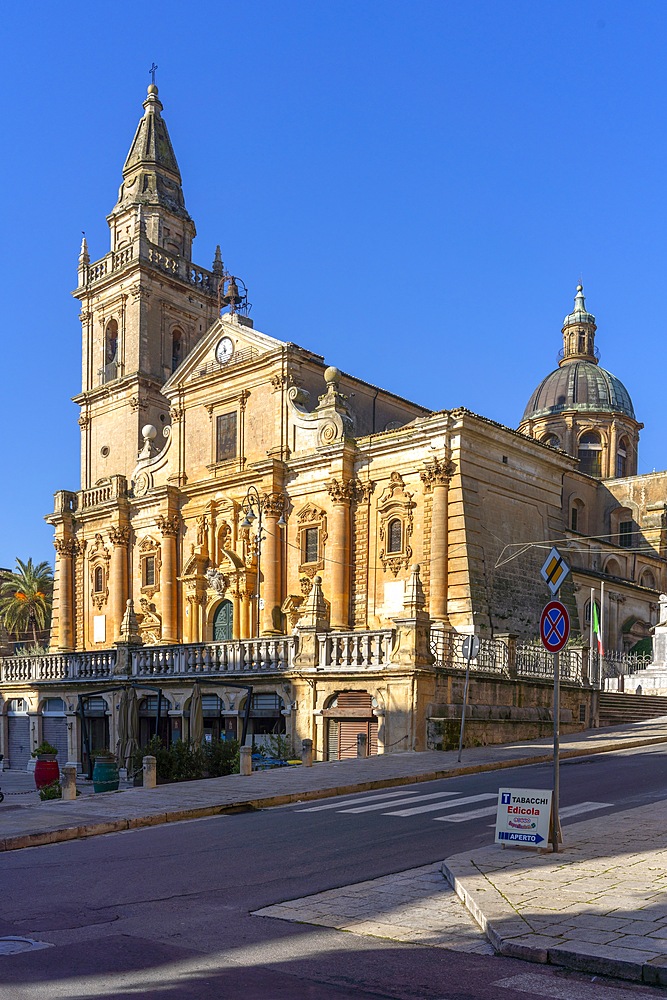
(256, 507)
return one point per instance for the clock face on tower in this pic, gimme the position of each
(224, 350)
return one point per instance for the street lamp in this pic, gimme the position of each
(261, 503)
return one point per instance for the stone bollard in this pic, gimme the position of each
(307, 753)
(68, 781)
(246, 760)
(362, 745)
(150, 772)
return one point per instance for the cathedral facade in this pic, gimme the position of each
(242, 499)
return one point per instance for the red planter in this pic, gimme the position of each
(46, 770)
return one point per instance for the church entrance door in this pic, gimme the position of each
(223, 621)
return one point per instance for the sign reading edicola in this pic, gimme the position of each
(523, 816)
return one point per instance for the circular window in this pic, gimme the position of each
(104, 451)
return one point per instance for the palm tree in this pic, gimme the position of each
(25, 598)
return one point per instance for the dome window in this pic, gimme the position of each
(622, 458)
(552, 440)
(590, 454)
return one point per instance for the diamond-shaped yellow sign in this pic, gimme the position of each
(554, 571)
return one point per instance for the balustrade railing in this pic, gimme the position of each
(242, 656)
(58, 667)
(354, 650)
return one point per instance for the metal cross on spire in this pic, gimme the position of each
(152, 72)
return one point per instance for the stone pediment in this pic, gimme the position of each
(246, 344)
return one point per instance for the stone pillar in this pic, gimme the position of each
(236, 620)
(436, 477)
(68, 782)
(168, 577)
(320, 750)
(245, 615)
(338, 556)
(120, 538)
(271, 566)
(150, 772)
(307, 753)
(73, 737)
(245, 766)
(63, 595)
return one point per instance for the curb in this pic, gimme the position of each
(94, 829)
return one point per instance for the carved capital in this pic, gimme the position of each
(243, 398)
(119, 536)
(168, 525)
(83, 420)
(176, 414)
(65, 546)
(274, 504)
(350, 490)
(437, 472)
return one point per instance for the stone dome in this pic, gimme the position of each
(582, 386)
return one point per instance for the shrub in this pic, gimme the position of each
(51, 791)
(187, 762)
(44, 748)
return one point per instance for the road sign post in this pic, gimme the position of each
(554, 632)
(470, 651)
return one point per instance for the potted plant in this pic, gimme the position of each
(105, 771)
(46, 766)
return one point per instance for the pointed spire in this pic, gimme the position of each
(84, 256)
(150, 175)
(218, 266)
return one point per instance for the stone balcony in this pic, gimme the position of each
(159, 258)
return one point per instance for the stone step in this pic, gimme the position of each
(616, 708)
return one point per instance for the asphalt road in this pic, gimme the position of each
(167, 912)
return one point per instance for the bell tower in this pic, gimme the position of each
(144, 305)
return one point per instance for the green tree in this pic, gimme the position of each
(25, 598)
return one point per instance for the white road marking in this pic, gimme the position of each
(582, 807)
(434, 806)
(470, 814)
(368, 798)
(400, 802)
(549, 986)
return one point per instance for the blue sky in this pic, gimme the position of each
(412, 189)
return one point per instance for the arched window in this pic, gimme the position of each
(590, 454)
(98, 580)
(552, 440)
(648, 580)
(176, 349)
(622, 458)
(612, 568)
(395, 535)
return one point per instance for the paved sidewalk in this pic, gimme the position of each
(599, 905)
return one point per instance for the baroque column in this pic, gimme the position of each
(435, 477)
(63, 594)
(169, 526)
(274, 505)
(338, 556)
(118, 591)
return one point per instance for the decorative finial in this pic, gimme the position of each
(84, 256)
(218, 266)
(152, 73)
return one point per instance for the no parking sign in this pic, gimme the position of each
(554, 626)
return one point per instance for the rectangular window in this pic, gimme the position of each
(625, 533)
(225, 439)
(311, 547)
(149, 571)
(574, 519)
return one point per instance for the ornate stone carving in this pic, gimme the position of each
(176, 413)
(437, 472)
(169, 526)
(99, 558)
(84, 420)
(148, 547)
(350, 490)
(65, 546)
(119, 535)
(150, 623)
(311, 516)
(217, 581)
(274, 504)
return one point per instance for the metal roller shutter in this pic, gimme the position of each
(332, 739)
(19, 742)
(54, 730)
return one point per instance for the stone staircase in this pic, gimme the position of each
(616, 709)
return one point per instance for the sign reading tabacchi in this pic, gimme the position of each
(523, 816)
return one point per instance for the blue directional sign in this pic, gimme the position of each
(520, 838)
(554, 626)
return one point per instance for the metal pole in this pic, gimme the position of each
(259, 561)
(555, 818)
(603, 644)
(465, 700)
(591, 654)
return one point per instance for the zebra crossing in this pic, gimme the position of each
(403, 804)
